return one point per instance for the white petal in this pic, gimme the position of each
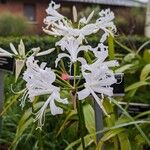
(97, 99)
(82, 61)
(60, 56)
(45, 52)
(40, 115)
(54, 109)
(5, 53)
(83, 94)
(75, 16)
(13, 49)
(90, 16)
(19, 67)
(21, 48)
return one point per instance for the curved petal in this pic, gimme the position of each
(13, 49)
(40, 115)
(97, 99)
(46, 52)
(5, 53)
(60, 56)
(55, 109)
(83, 94)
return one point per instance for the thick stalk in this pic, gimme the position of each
(110, 121)
(111, 49)
(79, 110)
(81, 122)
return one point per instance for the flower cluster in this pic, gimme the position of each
(73, 43)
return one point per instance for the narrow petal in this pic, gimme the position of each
(97, 99)
(46, 52)
(60, 56)
(90, 17)
(4, 52)
(19, 67)
(83, 94)
(75, 16)
(21, 49)
(54, 109)
(13, 49)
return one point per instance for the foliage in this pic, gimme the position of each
(45, 42)
(63, 132)
(76, 127)
(13, 25)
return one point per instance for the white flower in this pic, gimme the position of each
(73, 47)
(39, 82)
(20, 53)
(55, 96)
(19, 56)
(57, 25)
(86, 21)
(39, 78)
(54, 15)
(106, 24)
(98, 78)
(97, 82)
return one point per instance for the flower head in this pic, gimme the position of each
(53, 15)
(40, 82)
(40, 115)
(73, 47)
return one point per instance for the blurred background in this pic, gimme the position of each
(23, 19)
(26, 17)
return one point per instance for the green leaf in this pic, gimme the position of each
(136, 85)
(132, 119)
(146, 56)
(25, 121)
(142, 114)
(124, 141)
(12, 100)
(88, 141)
(124, 68)
(89, 119)
(145, 72)
(105, 130)
(111, 49)
(129, 57)
(123, 46)
(65, 122)
(108, 136)
(20, 132)
(28, 113)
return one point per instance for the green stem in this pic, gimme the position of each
(111, 49)
(79, 110)
(75, 71)
(81, 122)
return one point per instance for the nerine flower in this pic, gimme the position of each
(39, 82)
(98, 78)
(53, 13)
(40, 115)
(20, 55)
(58, 25)
(73, 47)
(105, 23)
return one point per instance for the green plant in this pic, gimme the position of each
(97, 79)
(13, 25)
